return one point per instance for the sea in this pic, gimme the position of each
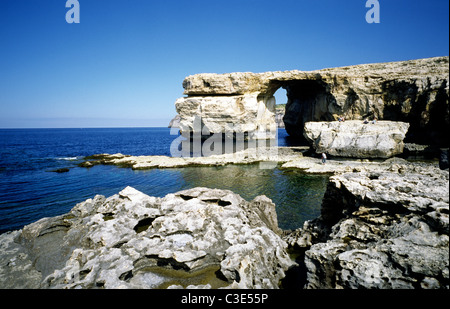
(31, 189)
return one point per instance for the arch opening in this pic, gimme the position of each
(304, 100)
(280, 106)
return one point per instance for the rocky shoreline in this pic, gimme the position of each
(385, 229)
(299, 158)
(384, 220)
(197, 238)
(384, 224)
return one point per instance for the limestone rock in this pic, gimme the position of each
(414, 91)
(381, 230)
(250, 155)
(356, 139)
(175, 122)
(194, 238)
(279, 115)
(249, 113)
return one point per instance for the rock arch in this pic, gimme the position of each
(308, 100)
(414, 91)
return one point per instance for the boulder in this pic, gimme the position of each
(382, 139)
(198, 238)
(384, 230)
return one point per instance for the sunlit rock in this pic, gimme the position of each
(357, 139)
(414, 91)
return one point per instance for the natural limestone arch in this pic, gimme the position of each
(414, 91)
(307, 100)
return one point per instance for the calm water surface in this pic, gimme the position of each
(29, 190)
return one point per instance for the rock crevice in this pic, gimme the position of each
(380, 230)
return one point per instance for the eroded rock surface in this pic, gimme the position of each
(194, 238)
(414, 91)
(260, 155)
(380, 230)
(380, 139)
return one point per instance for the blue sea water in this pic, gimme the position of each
(31, 190)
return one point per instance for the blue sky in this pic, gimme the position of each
(124, 63)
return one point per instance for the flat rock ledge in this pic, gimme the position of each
(198, 238)
(379, 229)
(248, 156)
(282, 157)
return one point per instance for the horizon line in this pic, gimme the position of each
(106, 127)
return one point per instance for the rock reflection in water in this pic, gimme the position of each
(297, 197)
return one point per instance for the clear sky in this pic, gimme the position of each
(124, 63)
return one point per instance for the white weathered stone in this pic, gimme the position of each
(227, 114)
(131, 240)
(382, 139)
(415, 91)
(385, 230)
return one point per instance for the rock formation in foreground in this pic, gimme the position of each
(382, 225)
(382, 139)
(198, 238)
(384, 230)
(414, 91)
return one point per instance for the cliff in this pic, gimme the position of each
(414, 91)
(379, 230)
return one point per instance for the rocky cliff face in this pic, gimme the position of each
(279, 115)
(413, 91)
(387, 229)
